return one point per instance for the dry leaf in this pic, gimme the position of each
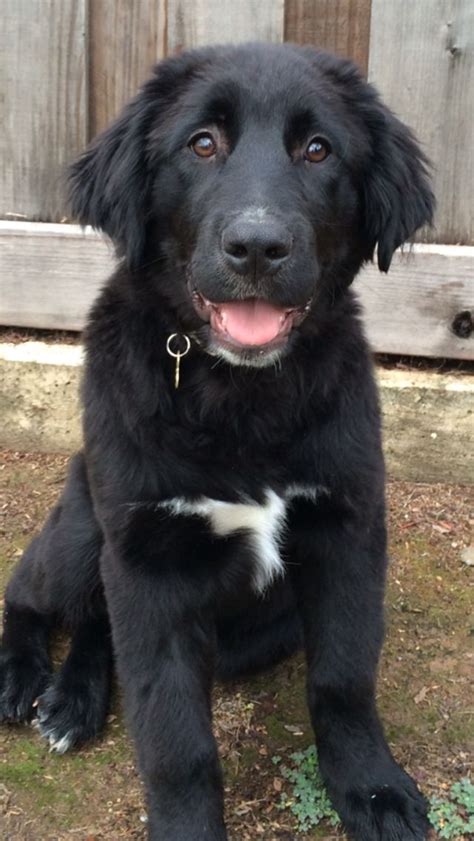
(294, 729)
(440, 529)
(421, 695)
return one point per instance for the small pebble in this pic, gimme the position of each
(467, 556)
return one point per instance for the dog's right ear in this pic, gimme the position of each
(109, 184)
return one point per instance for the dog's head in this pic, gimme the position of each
(251, 183)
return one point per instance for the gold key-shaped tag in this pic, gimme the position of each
(177, 354)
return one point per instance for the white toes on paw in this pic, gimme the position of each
(58, 744)
(61, 745)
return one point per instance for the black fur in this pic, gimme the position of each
(180, 598)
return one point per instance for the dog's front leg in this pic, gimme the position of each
(340, 584)
(164, 645)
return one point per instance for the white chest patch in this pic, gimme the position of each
(264, 522)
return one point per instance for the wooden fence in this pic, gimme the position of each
(69, 65)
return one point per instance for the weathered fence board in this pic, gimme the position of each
(43, 103)
(220, 21)
(125, 40)
(412, 309)
(343, 27)
(422, 60)
(50, 274)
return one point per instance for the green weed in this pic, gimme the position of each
(451, 816)
(308, 801)
(454, 817)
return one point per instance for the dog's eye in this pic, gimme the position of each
(203, 144)
(317, 150)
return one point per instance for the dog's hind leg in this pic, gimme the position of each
(24, 660)
(74, 706)
(56, 582)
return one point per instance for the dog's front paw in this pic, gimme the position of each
(391, 809)
(23, 676)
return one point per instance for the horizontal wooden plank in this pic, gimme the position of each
(50, 274)
(411, 310)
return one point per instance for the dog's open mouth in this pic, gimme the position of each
(252, 323)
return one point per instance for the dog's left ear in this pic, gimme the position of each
(397, 195)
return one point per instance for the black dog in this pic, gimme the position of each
(240, 514)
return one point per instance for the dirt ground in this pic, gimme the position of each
(425, 695)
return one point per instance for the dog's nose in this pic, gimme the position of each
(256, 247)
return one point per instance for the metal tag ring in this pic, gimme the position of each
(180, 352)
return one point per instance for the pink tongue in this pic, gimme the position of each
(251, 322)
